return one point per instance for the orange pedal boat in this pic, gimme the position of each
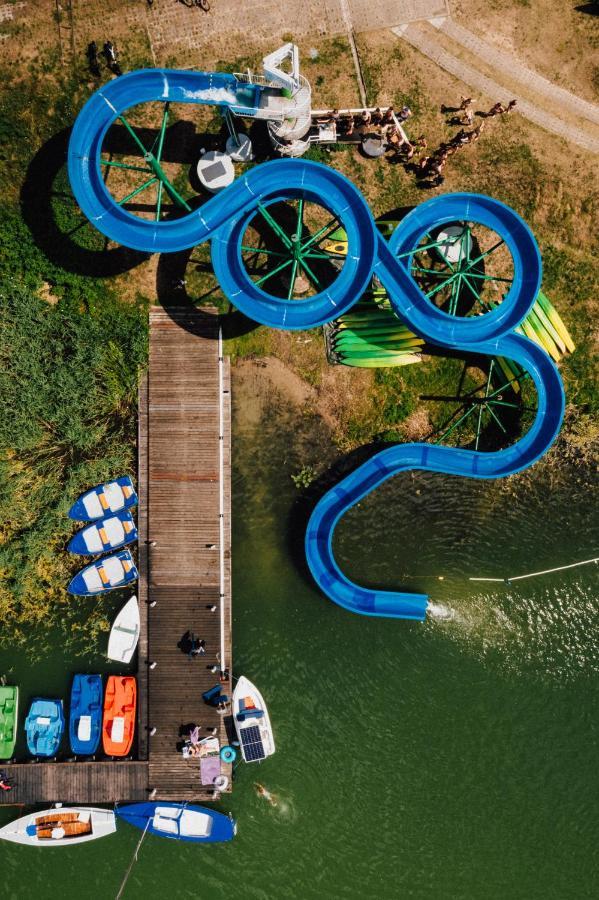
(118, 726)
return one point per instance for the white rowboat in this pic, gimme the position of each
(124, 633)
(62, 826)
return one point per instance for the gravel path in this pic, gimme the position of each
(427, 45)
(510, 65)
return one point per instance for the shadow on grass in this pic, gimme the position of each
(38, 196)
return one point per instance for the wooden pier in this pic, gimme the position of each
(184, 523)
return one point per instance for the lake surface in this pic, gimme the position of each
(456, 758)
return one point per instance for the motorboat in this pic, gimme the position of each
(60, 827)
(124, 633)
(105, 535)
(252, 722)
(44, 726)
(179, 821)
(118, 726)
(103, 499)
(105, 574)
(9, 715)
(85, 714)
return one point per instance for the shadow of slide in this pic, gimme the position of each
(46, 198)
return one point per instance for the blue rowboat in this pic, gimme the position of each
(85, 716)
(111, 497)
(104, 575)
(44, 726)
(179, 821)
(110, 533)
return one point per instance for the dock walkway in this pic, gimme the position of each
(179, 476)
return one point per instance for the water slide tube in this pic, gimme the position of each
(223, 220)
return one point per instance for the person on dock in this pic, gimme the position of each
(349, 126)
(377, 117)
(5, 784)
(199, 648)
(365, 118)
(388, 116)
(266, 794)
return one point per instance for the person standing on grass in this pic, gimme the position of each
(496, 110)
(511, 105)
(477, 132)
(468, 116)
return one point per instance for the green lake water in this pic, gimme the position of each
(456, 758)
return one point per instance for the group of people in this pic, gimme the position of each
(388, 124)
(432, 166)
(109, 53)
(349, 124)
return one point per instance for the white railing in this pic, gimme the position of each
(262, 80)
(221, 498)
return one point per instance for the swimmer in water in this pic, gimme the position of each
(263, 792)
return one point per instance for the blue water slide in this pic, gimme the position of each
(223, 220)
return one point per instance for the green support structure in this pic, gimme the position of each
(152, 159)
(296, 252)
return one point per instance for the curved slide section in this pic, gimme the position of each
(223, 220)
(431, 458)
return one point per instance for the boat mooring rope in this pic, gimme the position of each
(505, 580)
(133, 860)
(584, 562)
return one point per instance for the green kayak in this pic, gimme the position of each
(9, 711)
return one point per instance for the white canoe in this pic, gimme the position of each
(62, 826)
(252, 722)
(124, 633)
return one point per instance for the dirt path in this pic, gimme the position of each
(424, 41)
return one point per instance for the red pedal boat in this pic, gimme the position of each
(118, 726)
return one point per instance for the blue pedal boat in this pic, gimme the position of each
(111, 497)
(106, 574)
(44, 726)
(179, 821)
(85, 715)
(110, 533)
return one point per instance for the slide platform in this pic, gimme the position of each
(223, 220)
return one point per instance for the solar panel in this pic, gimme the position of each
(252, 743)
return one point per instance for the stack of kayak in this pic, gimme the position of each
(371, 335)
(544, 326)
(94, 713)
(106, 507)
